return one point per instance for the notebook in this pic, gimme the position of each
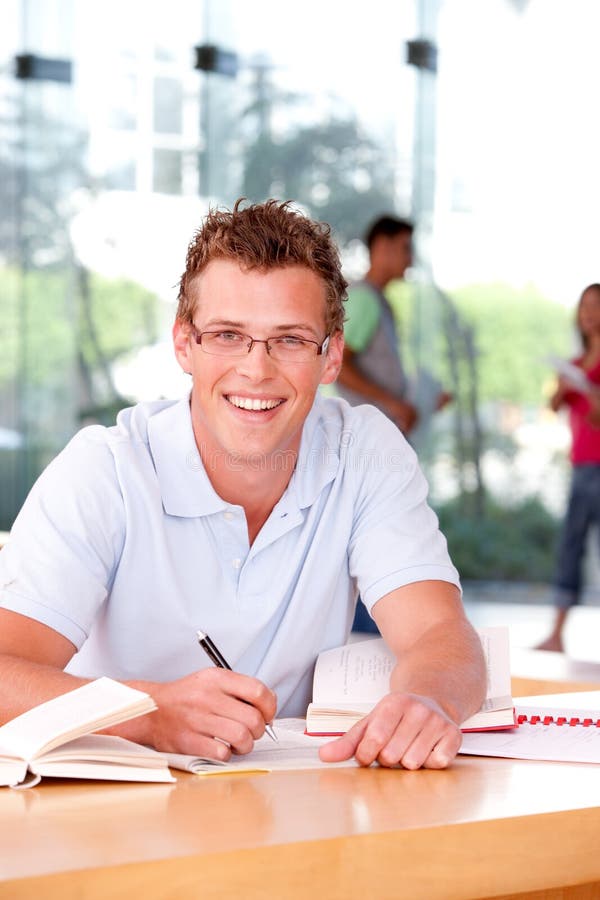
(557, 727)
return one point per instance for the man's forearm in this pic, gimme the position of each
(400, 411)
(24, 684)
(447, 665)
(353, 379)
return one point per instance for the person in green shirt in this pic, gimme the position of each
(372, 370)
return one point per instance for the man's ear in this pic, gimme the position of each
(333, 359)
(181, 343)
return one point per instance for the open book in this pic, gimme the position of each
(559, 727)
(55, 738)
(350, 680)
(294, 750)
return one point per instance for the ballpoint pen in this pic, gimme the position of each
(213, 652)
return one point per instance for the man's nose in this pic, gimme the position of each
(257, 361)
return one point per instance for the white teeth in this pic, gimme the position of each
(253, 403)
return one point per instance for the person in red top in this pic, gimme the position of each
(583, 508)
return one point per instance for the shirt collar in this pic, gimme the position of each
(185, 487)
(319, 455)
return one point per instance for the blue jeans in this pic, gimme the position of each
(583, 511)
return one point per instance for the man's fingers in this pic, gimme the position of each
(443, 753)
(242, 686)
(401, 731)
(240, 711)
(389, 747)
(212, 712)
(345, 746)
(429, 747)
(390, 733)
(235, 689)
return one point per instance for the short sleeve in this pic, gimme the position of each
(362, 312)
(65, 544)
(396, 538)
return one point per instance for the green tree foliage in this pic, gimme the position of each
(45, 323)
(515, 330)
(511, 542)
(58, 339)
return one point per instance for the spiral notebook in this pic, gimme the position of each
(557, 727)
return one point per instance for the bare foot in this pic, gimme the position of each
(554, 643)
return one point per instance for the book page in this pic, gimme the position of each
(559, 743)
(293, 750)
(550, 741)
(12, 771)
(355, 673)
(109, 748)
(359, 672)
(95, 705)
(100, 771)
(496, 651)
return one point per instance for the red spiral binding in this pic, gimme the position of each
(560, 720)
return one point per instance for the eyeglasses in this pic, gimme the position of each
(287, 348)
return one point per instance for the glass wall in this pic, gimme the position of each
(491, 146)
(514, 243)
(106, 174)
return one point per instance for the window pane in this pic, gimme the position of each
(167, 171)
(167, 106)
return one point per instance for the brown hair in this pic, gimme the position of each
(387, 226)
(264, 236)
(583, 337)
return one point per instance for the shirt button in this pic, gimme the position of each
(236, 563)
(228, 516)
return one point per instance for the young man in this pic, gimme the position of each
(253, 510)
(372, 370)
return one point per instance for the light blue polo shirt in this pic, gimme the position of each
(124, 547)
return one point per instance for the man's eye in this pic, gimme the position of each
(290, 340)
(228, 337)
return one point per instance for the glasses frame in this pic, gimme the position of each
(250, 342)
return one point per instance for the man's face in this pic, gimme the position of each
(399, 254)
(262, 304)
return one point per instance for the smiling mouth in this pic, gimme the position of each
(253, 403)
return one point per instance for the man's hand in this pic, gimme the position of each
(403, 729)
(444, 398)
(439, 680)
(402, 413)
(212, 713)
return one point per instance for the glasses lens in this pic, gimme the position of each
(224, 343)
(292, 349)
(287, 348)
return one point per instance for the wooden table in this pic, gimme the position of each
(544, 672)
(483, 828)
